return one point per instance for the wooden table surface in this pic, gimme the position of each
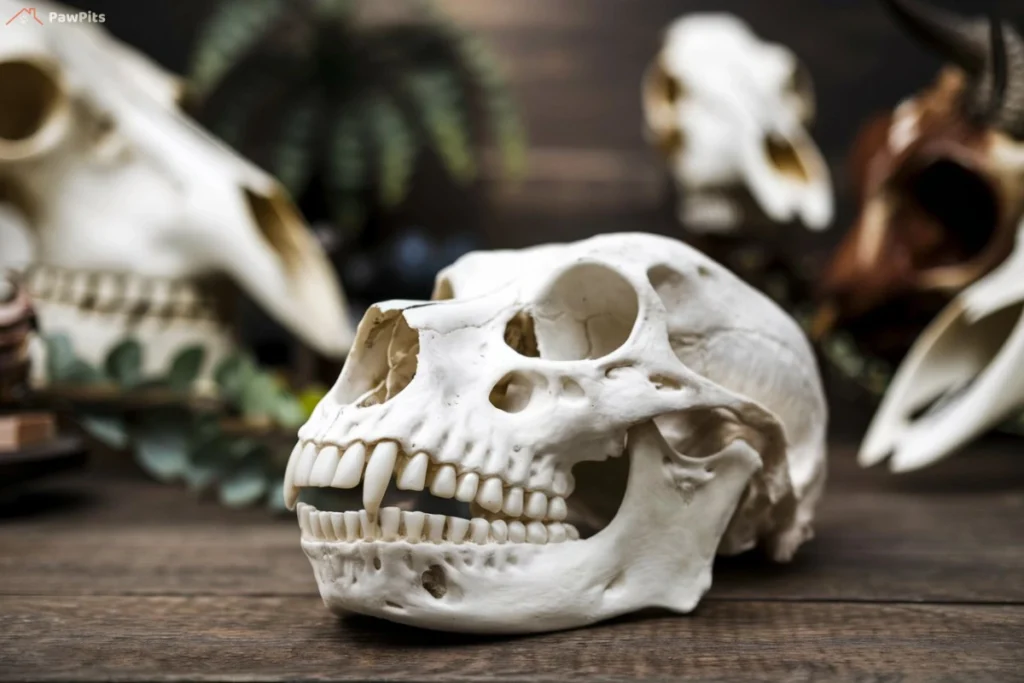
(918, 577)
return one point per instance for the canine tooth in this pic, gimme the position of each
(571, 532)
(556, 533)
(516, 532)
(479, 530)
(323, 469)
(537, 505)
(513, 505)
(499, 530)
(367, 527)
(466, 490)
(536, 532)
(351, 525)
(338, 524)
(350, 469)
(314, 525)
(443, 485)
(389, 520)
(414, 475)
(457, 529)
(378, 473)
(435, 528)
(557, 510)
(413, 525)
(305, 466)
(291, 491)
(490, 497)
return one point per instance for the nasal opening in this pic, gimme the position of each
(382, 363)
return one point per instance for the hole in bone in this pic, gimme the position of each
(29, 96)
(702, 433)
(435, 581)
(665, 383)
(521, 336)
(784, 157)
(443, 290)
(665, 86)
(703, 271)
(376, 562)
(514, 391)
(600, 487)
(588, 312)
(383, 365)
(393, 605)
(279, 223)
(571, 388)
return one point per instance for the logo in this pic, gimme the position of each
(27, 15)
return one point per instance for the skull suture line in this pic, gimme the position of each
(728, 110)
(530, 363)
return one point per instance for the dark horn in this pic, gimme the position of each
(1010, 116)
(954, 37)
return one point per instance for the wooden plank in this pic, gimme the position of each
(265, 638)
(951, 534)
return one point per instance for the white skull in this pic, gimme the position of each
(728, 110)
(530, 363)
(130, 206)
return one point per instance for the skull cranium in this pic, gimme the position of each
(529, 364)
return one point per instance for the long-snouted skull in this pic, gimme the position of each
(640, 362)
(728, 110)
(132, 207)
(941, 185)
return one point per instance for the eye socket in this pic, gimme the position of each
(784, 157)
(665, 85)
(29, 95)
(587, 313)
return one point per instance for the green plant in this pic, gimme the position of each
(350, 98)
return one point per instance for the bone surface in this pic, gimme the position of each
(542, 387)
(129, 206)
(727, 111)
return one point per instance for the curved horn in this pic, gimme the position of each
(957, 38)
(1010, 115)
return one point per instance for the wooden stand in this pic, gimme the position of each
(21, 430)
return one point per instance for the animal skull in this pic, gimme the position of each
(959, 379)
(529, 364)
(727, 110)
(134, 211)
(941, 185)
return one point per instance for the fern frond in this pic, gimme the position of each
(232, 30)
(396, 147)
(346, 169)
(294, 158)
(438, 102)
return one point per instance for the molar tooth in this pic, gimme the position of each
(457, 529)
(466, 490)
(444, 482)
(479, 530)
(537, 505)
(435, 528)
(571, 532)
(351, 525)
(413, 525)
(499, 531)
(414, 475)
(490, 497)
(556, 533)
(513, 505)
(378, 473)
(314, 525)
(350, 469)
(338, 524)
(557, 510)
(291, 491)
(305, 466)
(323, 469)
(516, 532)
(367, 527)
(389, 520)
(536, 532)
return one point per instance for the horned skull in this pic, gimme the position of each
(134, 212)
(941, 185)
(728, 110)
(625, 368)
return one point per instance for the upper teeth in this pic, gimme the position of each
(374, 464)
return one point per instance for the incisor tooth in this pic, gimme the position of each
(414, 475)
(490, 497)
(314, 525)
(457, 529)
(350, 469)
(499, 531)
(466, 490)
(513, 505)
(537, 505)
(352, 525)
(557, 510)
(389, 520)
(305, 466)
(323, 469)
(304, 517)
(413, 525)
(479, 530)
(291, 491)
(338, 524)
(435, 528)
(516, 532)
(444, 482)
(536, 532)
(378, 473)
(367, 528)
(326, 527)
(556, 533)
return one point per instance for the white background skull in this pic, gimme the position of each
(537, 361)
(729, 110)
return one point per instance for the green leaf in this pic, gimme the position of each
(260, 395)
(162, 443)
(289, 411)
(397, 149)
(60, 357)
(81, 373)
(185, 368)
(232, 30)
(209, 461)
(246, 484)
(293, 161)
(233, 374)
(124, 363)
(438, 101)
(108, 429)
